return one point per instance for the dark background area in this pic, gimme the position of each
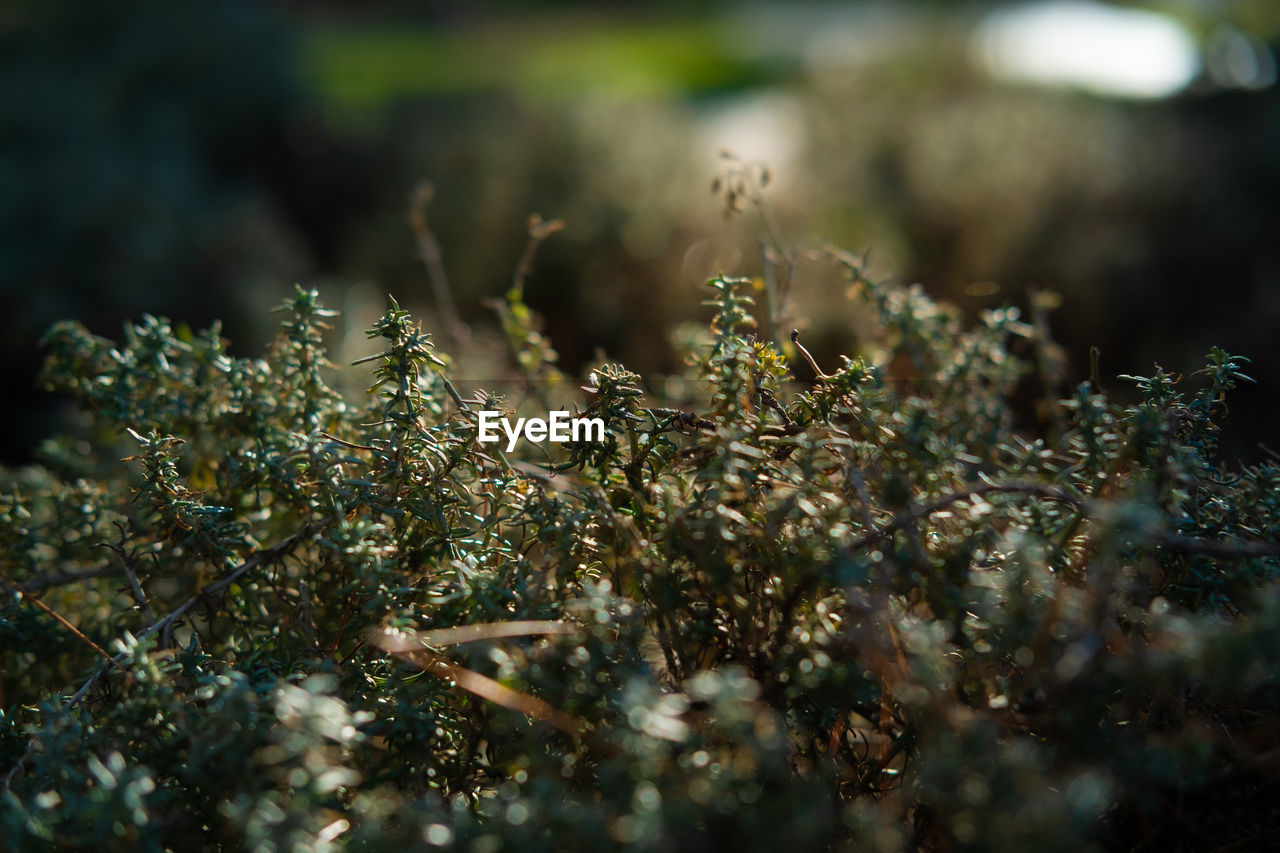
(196, 160)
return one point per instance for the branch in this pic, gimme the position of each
(429, 251)
(795, 339)
(259, 558)
(265, 556)
(539, 230)
(411, 641)
(680, 418)
(493, 691)
(62, 620)
(128, 561)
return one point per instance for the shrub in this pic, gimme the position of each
(857, 609)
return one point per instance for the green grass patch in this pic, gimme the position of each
(359, 73)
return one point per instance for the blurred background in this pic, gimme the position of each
(197, 159)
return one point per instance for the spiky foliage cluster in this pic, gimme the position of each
(854, 610)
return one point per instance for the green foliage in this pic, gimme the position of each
(857, 612)
(167, 110)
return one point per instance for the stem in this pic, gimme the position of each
(429, 252)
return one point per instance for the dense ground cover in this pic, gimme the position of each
(929, 598)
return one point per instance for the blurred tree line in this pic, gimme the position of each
(185, 159)
(151, 160)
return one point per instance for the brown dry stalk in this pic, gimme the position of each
(408, 646)
(429, 252)
(62, 620)
(795, 339)
(539, 230)
(406, 641)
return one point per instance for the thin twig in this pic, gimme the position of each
(453, 392)
(539, 229)
(429, 252)
(746, 180)
(485, 687)
(795, 339)
(265, 556)
(351, 444)
(409, 641)
(128, 561)
(62, 620)
(680, 418)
